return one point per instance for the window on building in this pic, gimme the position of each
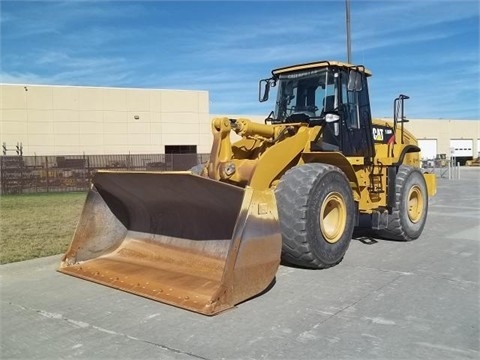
(180, 149)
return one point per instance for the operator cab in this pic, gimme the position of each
(333, 95)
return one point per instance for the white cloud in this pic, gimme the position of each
(142, 44)
(23, 78)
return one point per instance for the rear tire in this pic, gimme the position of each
(408, 217)
(316, 213)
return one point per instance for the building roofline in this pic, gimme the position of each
(98, 87)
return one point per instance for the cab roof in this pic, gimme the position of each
(319, 65)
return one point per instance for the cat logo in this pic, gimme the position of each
(378, 134)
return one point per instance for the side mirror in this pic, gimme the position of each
(354, 81)
(264, 88)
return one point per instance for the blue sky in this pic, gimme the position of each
(426, 49)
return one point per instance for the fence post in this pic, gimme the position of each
(35, 169)
(47, 172)
(89, 176)
(2, 181)
(22, 179)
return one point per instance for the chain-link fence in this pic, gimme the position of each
(442, 167)
(30, 174)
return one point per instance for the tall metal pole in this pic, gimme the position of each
(349, 42)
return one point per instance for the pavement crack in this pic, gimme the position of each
(382, 270)
(359, 300)
(421, 274)
(171, 349)
(82, 324)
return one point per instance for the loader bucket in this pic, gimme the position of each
(178, 238)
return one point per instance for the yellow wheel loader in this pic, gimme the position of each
(294, 187)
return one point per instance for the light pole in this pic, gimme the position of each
(349, 42)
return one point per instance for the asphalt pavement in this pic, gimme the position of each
(385, 300)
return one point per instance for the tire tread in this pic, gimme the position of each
(293, 194)
(396, 229)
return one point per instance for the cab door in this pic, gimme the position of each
(355, 116)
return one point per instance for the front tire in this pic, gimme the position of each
(408, 217)
(316, 213)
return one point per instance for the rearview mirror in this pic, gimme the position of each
(264, 88)
(354, 81)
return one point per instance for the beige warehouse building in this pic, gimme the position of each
(69, 120)
(74, 120)
(454, 138)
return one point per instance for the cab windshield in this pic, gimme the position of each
(311, 93)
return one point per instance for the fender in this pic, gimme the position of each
(407, 149)
(277, 159)
(336, 159)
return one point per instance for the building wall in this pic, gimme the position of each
(64, 120)
(444, 130)
(54, 120)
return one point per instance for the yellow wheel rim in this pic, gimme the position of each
(415, 204)
(333, 216)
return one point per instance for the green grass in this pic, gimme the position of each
(37, 225)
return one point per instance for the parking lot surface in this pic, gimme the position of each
(385, 300)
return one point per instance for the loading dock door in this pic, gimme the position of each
(461, 147)
(461, 150)
(180, 157)
(428, 148)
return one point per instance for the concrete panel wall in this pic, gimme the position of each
(61, 120)
(442, 130)
(445, 130)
